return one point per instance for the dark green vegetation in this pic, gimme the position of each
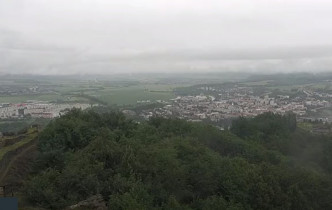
(16, 126)
(12, 126)
(173, 164)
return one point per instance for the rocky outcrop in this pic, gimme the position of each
(94, 202)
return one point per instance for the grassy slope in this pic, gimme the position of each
(14, 160)
(31, 135)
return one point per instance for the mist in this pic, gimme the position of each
(109, 37)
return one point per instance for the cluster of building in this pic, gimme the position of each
(37, 109)
(235, 102)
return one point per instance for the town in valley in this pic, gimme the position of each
(215, 99)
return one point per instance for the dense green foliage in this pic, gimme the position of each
(12, 126)
(16, 126)
(268, 129)
(174, 164)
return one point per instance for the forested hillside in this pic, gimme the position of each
(261, 163)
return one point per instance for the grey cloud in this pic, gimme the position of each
(231, 54)
(11, 40)
(106, 36)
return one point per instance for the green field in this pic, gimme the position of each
(313, 86)
(49, 98)
(110, 92)
(257, 83)
(128, 92)
(130, 95)
(286, 87)
(24, 98)
(322, 85)
(120, 96)
(123, 95)
(305, 126)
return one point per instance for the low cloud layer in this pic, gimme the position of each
(106, 37)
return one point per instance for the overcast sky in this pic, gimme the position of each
(113, 36)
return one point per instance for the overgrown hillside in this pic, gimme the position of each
(17, 153)
(174, 164)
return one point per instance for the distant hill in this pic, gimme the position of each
(292, 78)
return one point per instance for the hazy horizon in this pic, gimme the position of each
(111, 37)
